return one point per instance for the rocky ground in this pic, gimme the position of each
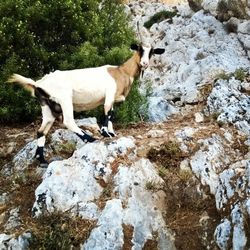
(181, 181)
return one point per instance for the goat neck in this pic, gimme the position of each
(132, 66)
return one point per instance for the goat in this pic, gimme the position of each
(63, 92)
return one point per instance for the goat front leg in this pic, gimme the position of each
(107, 127)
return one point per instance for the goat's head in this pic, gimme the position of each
(145, 52)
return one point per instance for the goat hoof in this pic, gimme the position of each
(42, 163)
(105, 133)
(112, 134)
(86, 138)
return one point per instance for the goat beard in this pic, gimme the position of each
(142, 73)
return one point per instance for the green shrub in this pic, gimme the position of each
(39, 36)
(135, 107)
(159, 17)
(240, 74)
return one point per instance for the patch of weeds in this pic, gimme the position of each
(195, 5)
(59, 231)
(222, 6)
(151, 186)
(167, 155)
(159, 17)
(66, 148)
(185, 175)
(200, 56)
(231, 27)
(162, 172)
(215, 116)
(223, 75)
(240, 74)
(107, 192)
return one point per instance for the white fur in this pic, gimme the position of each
(87, 88)
(41, 141)
(145, 56)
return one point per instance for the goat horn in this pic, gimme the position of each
(138, 30)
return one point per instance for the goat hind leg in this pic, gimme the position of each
(69, 122)
(48, 120)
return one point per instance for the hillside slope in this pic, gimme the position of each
(179, 182)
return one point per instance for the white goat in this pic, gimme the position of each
(62, 92)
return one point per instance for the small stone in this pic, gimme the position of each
(185, 165)
(199, 117)
(155, 133)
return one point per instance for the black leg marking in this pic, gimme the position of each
(39, 134)
(86, 138)
(40, 157)
(104, 130)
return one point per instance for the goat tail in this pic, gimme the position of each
(27, 83)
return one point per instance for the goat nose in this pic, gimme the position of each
(144, 64)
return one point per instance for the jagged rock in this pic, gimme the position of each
(14, 220)
(230, 104)
(4, 197)
(213, 165)
(244, 27)
(90, 164)
(223, 9)
(10, 242)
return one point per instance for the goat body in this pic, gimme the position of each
(84, 89)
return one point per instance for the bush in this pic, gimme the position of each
(135, 107)
(233, 8)
(159, 17)
(40, 36)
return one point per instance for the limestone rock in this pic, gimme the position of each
(10, 242)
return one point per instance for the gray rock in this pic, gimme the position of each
(244, 27)
(108, 233)
(14, 220)
(8, 242)
(230, 104)
(214, 164)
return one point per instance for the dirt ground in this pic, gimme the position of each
(190, 215)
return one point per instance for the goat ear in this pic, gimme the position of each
(159, 51)
(134, 46)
